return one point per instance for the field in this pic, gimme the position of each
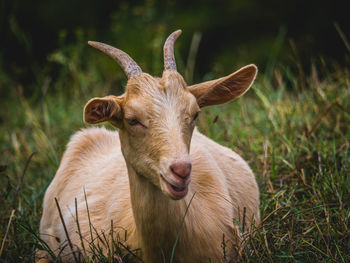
(293, 129)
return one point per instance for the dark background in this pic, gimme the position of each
(233, 33)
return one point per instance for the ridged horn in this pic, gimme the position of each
(169, 59)
(129, 66)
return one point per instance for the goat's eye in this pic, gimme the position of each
(133, 121)
(195, 117)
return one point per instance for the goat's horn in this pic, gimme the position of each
(129, 66)
(169, 59)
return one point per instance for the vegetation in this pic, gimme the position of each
(294, 132)
(292, 126)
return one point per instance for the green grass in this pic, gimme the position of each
(295, 137)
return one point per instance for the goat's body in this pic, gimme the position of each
(143, 217)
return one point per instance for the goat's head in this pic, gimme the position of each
(156, 116)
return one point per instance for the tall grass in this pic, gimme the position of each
(295, 137)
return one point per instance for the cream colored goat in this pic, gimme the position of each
(143, 177)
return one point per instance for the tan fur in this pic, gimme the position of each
(124, 174)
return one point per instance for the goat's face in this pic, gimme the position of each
(156, 118)
(159, 118)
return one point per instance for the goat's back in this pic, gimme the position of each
(92, 163)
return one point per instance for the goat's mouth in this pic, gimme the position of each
(176, 191)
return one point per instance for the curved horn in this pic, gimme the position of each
(169, 59)
(129, 66)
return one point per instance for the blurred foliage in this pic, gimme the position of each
(39, 36)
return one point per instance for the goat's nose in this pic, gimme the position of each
(181, 169)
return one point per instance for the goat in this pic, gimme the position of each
(143, 178)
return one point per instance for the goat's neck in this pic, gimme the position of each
(157, 217)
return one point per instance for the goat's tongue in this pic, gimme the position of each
(178, 189)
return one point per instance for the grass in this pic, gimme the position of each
(294, 133)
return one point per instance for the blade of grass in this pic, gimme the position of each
(88, 212)
(7, 230)
(65, 230)
(78, 226)
(180, 230)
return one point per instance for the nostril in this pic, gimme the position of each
(181, 169)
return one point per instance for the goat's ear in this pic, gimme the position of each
(104, 109)
(225, 89)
